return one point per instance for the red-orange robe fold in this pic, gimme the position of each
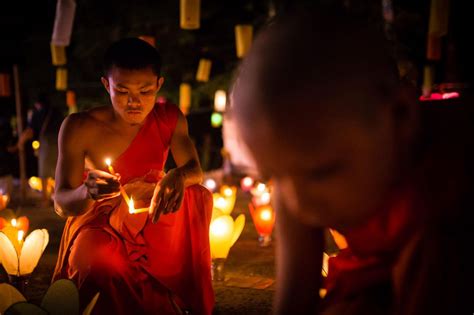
(137, 266)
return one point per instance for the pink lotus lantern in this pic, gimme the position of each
(246, 183)
(264, 219)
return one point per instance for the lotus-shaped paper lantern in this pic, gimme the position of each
(264, 219)
(246, 183)
(35, 183)
(21, 257)
(225, 200)
(223, 233)
(62, 297)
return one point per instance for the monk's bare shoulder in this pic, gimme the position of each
(83, 126)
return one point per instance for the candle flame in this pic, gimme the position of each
(108, 161)
(266, 215)
(261, 187)
(219, 228)
(265, 198)
(228, 192)
(247, 181)
(131, 206)
(13, 222)
(21, 233)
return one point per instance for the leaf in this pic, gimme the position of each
(25, 308)
(62, 298)
(91, 305)
(8, 255)
(9, 295)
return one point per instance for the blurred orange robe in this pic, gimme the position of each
(137, 266)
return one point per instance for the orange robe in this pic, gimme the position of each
(137, 266)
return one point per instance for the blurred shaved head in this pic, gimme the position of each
(317, 102)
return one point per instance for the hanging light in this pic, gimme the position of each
(264, 220)
(61, 79)
(35, 183)
(220, 101)
(184, 97)
(58, 55)
(243, 39)
(190, 14)
(204, 70)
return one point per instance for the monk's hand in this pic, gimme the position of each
(102, 185)
(168, 195)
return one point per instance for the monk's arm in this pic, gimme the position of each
(71, 195)
(184, 154)
(298, 264)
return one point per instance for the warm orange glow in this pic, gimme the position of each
(246, 183)
(21, 234)
(132, 210)
(35, 145)
(263, 218)
(228, 192)
(13, 222)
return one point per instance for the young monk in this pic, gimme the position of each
(347, 146)
(156, 262)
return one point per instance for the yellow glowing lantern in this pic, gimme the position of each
(35, 183)
(61, 79)
(184, 97)
(5, 90)
(437, 28)
(223, 233)
(225, 200)
(149, 39)
(190, 14)
(220, 101)
(21, 257)
(58, 55)
(243, 39)
(216, 120)
(35, 145)
(204, 70)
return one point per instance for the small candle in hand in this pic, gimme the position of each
(132, 210)
(108, 161)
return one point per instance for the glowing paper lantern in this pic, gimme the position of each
(210, 184)
(5, 89)
(243, 39)
(264, 220)
(204, 70)
(71, 98)
(35, 183)
(4, 199)
(24, 259)
(246, 183)
(225, 200)
(61, 79)
(184, 97)
(190, 14)
(58, 55)
(223, 233)
(149, 39)
(216, 120)
(35, 145)
(220, 101)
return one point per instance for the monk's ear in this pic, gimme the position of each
(160, 82)
(106, 84)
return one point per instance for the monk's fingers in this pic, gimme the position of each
(157, 212)
(178, 203)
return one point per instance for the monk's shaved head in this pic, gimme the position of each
(322, 60)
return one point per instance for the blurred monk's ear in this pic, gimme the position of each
(160, 82)
(106, 84)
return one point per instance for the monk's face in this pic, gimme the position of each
(328, 170)
(132, 92)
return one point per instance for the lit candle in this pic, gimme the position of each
(210, 184)
(13, 222)
(108, 161)
(132, 210)
(21, 233)
(246, 183)
(264, 219)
